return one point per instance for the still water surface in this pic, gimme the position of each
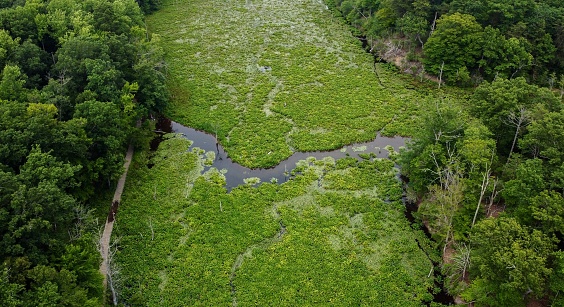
(236, 173)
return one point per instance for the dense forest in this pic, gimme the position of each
(487, 173)
(469, 41)
(76, 76)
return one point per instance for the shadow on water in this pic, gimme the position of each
(236, 173)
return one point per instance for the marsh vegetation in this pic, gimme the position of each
(273, 77)
(333, 234)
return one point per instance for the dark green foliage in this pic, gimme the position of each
(38, 204)
(506, 158)
(108, 131)
(11, 85)
(149, 6)
(495, 103)
(456, 43)
(429, 150)
(557, 279)
(545, 140)
(33, 61)
(76, 76)
(511, 262)
(519, 37)
(528, 181)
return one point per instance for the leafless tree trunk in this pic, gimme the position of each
(495, 192)
(517, 120)
(433, 24)
(448, 195)
(561, 85)
(485, 183)
(460, 263)
(521, 66)
(113, 273)
(420, 40)
(441, 74)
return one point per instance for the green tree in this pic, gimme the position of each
(9, 292)
(33, 62)
(545, 138)
(557, 280)
(103, 79)
(456, 43)
(11, 85)
(7, 46)
(431, 147)
(529, 181)
(107, 129)
(38, 207)
(509, 263)
(497, 13)
(19, 20)
(149, 73)
(547, 209)
(494, 103)
(413, 26)
(503, 57)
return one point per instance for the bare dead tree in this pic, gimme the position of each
(433, 24)
(494, 194)
(422, 74)
(81, 216)
(561, 86)
(448, 194)
(486, 176)
(485, 182)
(460, 263)
(551, 80)
(113, 272)
(518, 120)
(441, 74)
(521, 66)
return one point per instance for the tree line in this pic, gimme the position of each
(467, 41)
(488, 180)
(75, 78)
(488, 173)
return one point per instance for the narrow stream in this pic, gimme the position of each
(236, 173)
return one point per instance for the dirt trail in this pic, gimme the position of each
(106, 235)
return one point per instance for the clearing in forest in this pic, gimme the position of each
(273, 77)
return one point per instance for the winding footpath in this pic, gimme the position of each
(106, 235)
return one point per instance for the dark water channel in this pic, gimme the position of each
(236, 173)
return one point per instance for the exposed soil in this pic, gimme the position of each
(448, 254)
(494, 210)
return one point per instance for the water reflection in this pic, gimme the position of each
(236, 173)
